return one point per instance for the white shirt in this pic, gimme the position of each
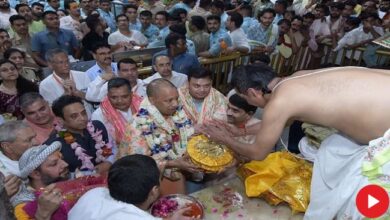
(73, 25)
(98, 115)
(178, 79)
(97, 204)
(239, 39)
(4, 18)
(8, 166)
(97, 89)
(136, 36)
(51, 89)
(355, 36)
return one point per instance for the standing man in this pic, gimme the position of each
(266, 33)
(182, 61)
(106, 14)
(33, 26)
(147, 28)
(125, 39)
(239, 39)
(218, 8)
(72, 20)
(219, 38)
(161, 21)
(53, 37)
(21, 38)
(5, 13)
(131, 12)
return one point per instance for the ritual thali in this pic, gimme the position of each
(208, 155)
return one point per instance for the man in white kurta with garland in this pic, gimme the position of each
(201, 102)
(161, 129)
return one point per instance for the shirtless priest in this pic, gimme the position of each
(353, 100)
(161, 129)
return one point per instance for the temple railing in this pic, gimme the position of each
(222, 66)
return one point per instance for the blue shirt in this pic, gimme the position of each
(277, 18)
(160, 39)
(135, 26)
(43, 41)
(181, 63)
(13, 3)
(190, 46)
(96, 71)
(180, 5)
(150, 32)
(224, 18)
(216, 38)
(109, 18)
(248, 23)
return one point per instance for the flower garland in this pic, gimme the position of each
(171, 145)
(103, 149)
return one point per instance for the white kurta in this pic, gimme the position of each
(97, 89)
(178, 79)
(136, 36)
(97, 204)
(239, 39)
(338, 177)
(51, 90)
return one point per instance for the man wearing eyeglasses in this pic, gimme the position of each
(63, 81)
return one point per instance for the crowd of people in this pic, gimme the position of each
(102, 121)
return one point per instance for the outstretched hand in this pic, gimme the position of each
(216, 131)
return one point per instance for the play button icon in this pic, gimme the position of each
(372, 201)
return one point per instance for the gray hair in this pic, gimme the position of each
(28, 99)
(51, 53)
(9, 129)
(159, 55)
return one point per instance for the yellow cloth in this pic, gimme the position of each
(20, 214)
(280, 177)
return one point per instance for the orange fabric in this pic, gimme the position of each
(19, 212)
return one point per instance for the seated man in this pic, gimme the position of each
(15, 138)
(38, 115)
(42, 165)
(117, 108)
(63, 80)
(161, 129)
(163, 66)
(201, 102)
(85, 144)
(104, 66)
(127, 69)
(343, 161)
(129, 195)
(240, 114)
